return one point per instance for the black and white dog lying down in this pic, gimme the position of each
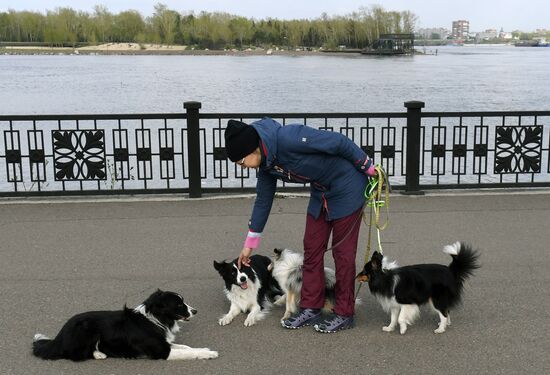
(147, 331)
(250, 289)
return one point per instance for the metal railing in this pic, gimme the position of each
(184, 152)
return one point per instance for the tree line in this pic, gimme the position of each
(214, 30)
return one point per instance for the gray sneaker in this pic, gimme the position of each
(333, 323)
(304, 317)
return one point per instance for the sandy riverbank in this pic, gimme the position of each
(145, 49)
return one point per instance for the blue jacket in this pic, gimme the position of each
(333, 165)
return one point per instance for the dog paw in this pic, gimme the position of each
(249, 322)
(403, 329)
(388, 329)
(99, 355)
(225, 320)
(40, 336)
(280, 301)
(208, 354)
(439, 330)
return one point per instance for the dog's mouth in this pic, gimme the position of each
(185, 318)
(362, 278)
(243, 285)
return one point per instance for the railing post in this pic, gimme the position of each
(413, 148)
(193, 148)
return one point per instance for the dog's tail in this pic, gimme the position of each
(465, 262)
(45, 348)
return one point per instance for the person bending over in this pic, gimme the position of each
(338, 172)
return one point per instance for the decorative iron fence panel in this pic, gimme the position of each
(185, 152)
(493, 149)
(93, 154)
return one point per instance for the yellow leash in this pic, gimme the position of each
(375, 200)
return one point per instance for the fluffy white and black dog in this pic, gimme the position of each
(249, 289)
(401, 290)
(287, 270)
(147, 331)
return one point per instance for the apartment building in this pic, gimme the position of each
(461, 29)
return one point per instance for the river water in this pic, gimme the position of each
(457, 79)
(468, 78)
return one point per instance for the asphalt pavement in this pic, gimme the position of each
(61, 257)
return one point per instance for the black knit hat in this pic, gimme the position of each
(240, 140)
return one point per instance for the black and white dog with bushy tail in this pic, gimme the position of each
(401, 290)
(147, 331)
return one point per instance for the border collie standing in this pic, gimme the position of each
(250, 289)
(148, 331)
(400, 290)
(287, 270)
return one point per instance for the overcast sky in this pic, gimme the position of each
(526, 15)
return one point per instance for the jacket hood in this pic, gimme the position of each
(267, 129)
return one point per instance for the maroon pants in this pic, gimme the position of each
(345, 232)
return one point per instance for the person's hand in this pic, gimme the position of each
(372, 172)
(244, 257)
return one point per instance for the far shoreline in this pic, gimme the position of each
(152, 49)
(72, 51)
(135, 49)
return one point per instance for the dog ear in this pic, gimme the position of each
(218, 266)
(157, 292)
(376, 256)
(278, 251)
(152, 300)
(376, 261)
